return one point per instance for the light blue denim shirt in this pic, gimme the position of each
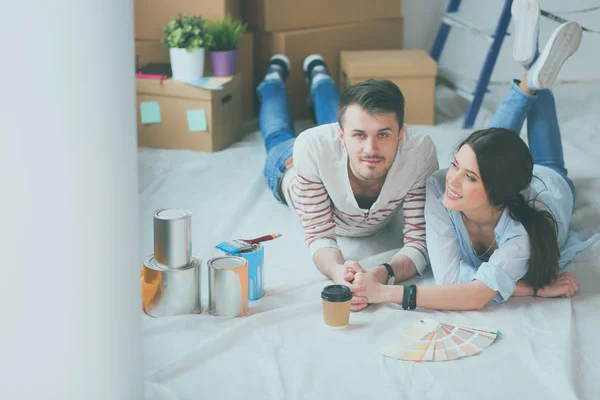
(452, 257)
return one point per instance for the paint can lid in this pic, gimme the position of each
(227, 262)
(151, 263)
(172, 214)
(336, 293)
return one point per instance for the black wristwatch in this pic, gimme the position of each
(391, 280)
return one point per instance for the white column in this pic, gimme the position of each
(70, 322)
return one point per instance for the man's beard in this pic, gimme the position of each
(357, 170)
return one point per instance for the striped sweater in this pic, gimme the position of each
(318, 189)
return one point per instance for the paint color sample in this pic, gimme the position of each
(150, 112)
(197, 120)
(430, 341)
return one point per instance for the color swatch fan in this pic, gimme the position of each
(429, 340)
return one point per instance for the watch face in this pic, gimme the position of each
(391, 280)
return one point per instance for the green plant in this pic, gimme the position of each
(225, 34)
(188, 32)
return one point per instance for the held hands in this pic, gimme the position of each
(344, 275)
(566, 285)
(374, 290)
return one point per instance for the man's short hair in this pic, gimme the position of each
(375, 96)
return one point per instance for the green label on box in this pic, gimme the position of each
(150, 112)
(197, 120)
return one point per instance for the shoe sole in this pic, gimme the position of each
(307, 62)
(526, 16)
(283, 58)
(562, 44)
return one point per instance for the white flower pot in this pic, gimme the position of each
(187, 66)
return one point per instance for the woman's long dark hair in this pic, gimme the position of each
(506, 168)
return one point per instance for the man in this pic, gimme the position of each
(349, 175)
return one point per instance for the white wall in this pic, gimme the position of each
(421, 21)
(464, 52)
(70, 288)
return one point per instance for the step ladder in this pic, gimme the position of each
(496, 39)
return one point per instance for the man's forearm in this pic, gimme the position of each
(404, 268)
(326, 259)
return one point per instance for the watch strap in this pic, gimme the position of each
(409, 298)
(390, 272)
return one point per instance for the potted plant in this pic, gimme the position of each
(187, 38)
(224, 36)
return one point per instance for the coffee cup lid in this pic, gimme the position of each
(336, 293)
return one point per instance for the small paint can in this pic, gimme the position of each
(255, 257)
(167, 292)
(228, 286)
(173, 237)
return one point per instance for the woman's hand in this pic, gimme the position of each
(566, 285)
(374, 291)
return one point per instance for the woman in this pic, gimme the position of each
(497, 219)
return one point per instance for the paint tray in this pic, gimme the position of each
(429, 340)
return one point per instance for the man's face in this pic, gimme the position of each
(371, 142)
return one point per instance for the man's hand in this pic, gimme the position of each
(374, 290)
(352, 267)
(342, 275)
(566, 285)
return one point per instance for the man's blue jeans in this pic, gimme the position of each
(277, 127)
(543, 132)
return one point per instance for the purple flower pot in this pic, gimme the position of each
(224, 63)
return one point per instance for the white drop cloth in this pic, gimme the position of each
(548, 348)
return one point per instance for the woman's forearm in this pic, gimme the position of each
(459, 297)
(523, 289)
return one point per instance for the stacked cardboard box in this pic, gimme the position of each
(151, 16)
(178, 116)
(414, 72)
(300, 28)
(174, 115)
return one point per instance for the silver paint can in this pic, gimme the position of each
(173, 238)
(167, 292)
(228, 286)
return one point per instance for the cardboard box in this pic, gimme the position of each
(151, 16)
(152, 51)
(284, 15)
(414, 71)
(174, 115)
(297, 45)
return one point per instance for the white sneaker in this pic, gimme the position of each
(563, 42)
(526, 22)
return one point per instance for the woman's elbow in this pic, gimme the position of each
(478, 305)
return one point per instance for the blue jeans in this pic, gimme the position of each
(543, 132)
(277, 127)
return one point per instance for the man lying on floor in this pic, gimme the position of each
(351, 174)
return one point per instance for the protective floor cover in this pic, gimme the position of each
(548, 348)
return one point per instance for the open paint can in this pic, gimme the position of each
(228, 286)
(256, 258)
(167, 292)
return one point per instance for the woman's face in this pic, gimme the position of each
(464, 188)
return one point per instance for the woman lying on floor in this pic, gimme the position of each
(497, 219)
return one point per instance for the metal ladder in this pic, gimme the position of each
(497, 38)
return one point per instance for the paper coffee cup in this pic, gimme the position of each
(336, 305)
